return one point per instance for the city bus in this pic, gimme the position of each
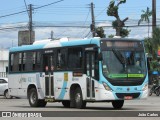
(75, 72)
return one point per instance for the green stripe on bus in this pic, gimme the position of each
(118, 75)
(125, 75)
(135, 75)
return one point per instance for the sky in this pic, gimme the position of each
(68, 12)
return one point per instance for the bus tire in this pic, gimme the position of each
(66, 103)
(33, 98)
(79, 99)
(117, 104)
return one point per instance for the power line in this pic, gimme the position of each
(7, 10)
(101, 12)
(87, 34)
(9, 28)
(26, 7)
(48, 4)
(27, 10)
(85, 22)
(12, 14)
(79, 26)
(86, 18)
(60, 26)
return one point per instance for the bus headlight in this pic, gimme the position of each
(145, 87)
(106, 86)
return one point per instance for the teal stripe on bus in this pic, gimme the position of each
(63, 90)
(27, 47)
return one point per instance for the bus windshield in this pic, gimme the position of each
(123, 61)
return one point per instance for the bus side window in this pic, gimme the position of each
(11, 62)
(74, 58)
(61, 59)
(16, 60)
(29, 61)
(38, 60)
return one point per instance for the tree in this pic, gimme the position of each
(148, 43)
(110, 36)
(156, 38)
(145, 17)
(152, 44)
(118, 24)
(100, 32)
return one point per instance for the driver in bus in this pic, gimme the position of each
(52, 68)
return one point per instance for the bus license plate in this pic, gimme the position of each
(128, 97)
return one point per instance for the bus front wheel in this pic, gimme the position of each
(117, 104)
(79, 99)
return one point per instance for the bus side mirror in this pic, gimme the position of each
(100, 57)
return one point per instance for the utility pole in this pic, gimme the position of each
(52, 35)
(93, 21)
(153, 15)
(30, 24)
(27, 37)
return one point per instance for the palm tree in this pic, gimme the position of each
(145, 17)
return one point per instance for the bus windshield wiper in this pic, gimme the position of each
(119, 56)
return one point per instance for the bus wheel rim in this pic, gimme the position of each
(78, 97)
(33, 98)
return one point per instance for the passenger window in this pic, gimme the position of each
(75, 58)
(28, 61)
(38, 61)
(16, 60)
(61, 59)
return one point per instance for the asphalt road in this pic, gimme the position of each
(152, 103)
(149, 106)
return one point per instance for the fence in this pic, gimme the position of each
(3, 74)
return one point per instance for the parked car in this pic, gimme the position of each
(4, 88)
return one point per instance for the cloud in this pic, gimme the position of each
(106, 23)
(9, 37)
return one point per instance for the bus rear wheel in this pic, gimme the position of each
(117, 104)
(33, 99)
(79, 99)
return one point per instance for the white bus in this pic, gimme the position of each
(75, 72)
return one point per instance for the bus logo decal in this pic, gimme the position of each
(65, 76)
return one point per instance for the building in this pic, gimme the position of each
(4, 53)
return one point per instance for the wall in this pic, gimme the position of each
(4, 55)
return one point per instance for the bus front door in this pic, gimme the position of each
(90, 71)
(49, 76)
